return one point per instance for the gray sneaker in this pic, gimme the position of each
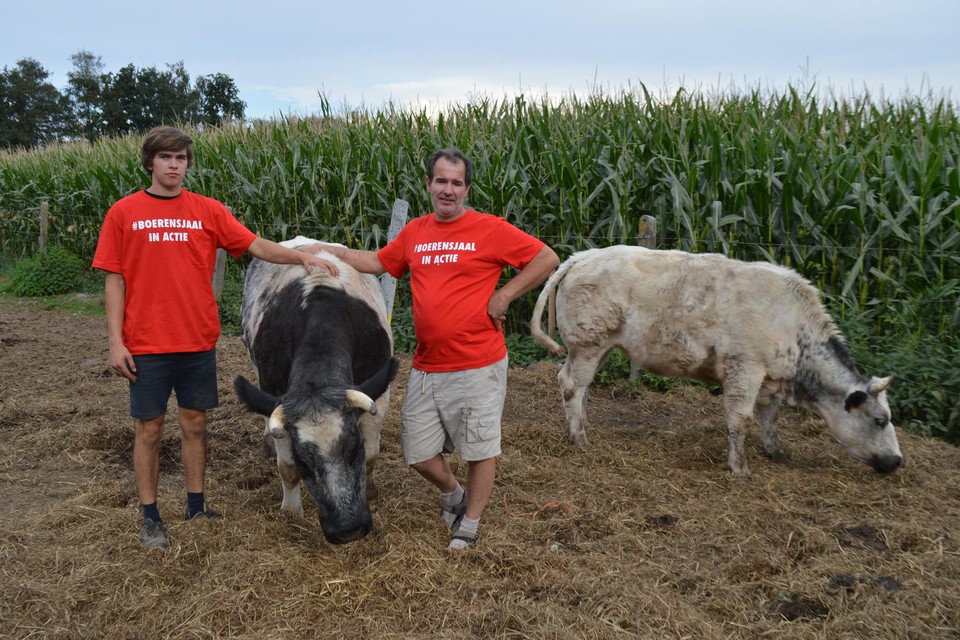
(153, 535)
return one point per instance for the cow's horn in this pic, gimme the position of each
(878, 385)
(278, 423)
(360, 400)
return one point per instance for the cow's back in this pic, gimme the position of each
(678, 313)
(275, 294)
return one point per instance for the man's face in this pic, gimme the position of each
(169, 170)
(448, 189)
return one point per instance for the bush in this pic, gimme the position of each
(404, 338)
(228, 304)
(524, 350)
(48, 274)
(925, 394)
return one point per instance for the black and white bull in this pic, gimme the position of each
(322, 351)
(758, 329)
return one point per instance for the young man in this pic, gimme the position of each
(158, 247)
(456, 389)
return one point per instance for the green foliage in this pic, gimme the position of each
(926, 398)
(524, 350)
(92, 282)
(404, 338)
(45, 274)
(659, 383)
(925, 394)
(616, 367)
(230, 300)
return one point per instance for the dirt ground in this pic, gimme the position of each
(642, 534)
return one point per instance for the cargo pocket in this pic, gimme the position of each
(478, 426)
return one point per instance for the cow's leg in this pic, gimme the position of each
(267, 448)
(740, 390)
(575, 377)
(767, 409)
(370, 428)
(289, 477)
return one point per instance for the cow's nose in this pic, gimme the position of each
(346, 529)
(886, 464)
(342, 537)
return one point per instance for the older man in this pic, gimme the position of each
(455, 392)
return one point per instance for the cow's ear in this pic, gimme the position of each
(377, 384)
(253, 398)
(854, 400)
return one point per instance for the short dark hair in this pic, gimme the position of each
(454, 155)
(164, 139)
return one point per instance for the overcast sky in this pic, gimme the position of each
(281, 54)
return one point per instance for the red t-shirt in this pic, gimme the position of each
(454, 269)
(166, 251)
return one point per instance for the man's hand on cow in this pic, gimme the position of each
(313, 263)
(122, 364)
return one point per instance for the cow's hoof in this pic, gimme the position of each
(777, 456)
(292, 511)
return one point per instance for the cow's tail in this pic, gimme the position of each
(548, 296)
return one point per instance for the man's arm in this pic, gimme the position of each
(363, 261)
(531, 276)
(270, 251)
(114, 298)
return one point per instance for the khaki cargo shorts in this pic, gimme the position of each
(456, 410)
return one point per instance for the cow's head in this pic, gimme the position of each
(862, 425)
(327, 445)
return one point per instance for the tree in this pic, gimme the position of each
(32, 110)
(182, 103)
(121, 106)
(85, 89)
(219, 99)
(139, 99)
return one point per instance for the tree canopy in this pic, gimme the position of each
(96, 102)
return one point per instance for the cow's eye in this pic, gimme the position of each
(880, 422)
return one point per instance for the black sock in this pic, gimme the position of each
(195, 504)
(151, 511)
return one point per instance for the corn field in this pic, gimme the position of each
(861, 196)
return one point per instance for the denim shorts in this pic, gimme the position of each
(193, 376)
(459, 410)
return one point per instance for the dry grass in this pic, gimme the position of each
(642, 534)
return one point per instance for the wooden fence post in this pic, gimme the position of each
(646, 237)
(219, 269)
(218, 272)
(388, 284)
(647, 232)
(44, 225)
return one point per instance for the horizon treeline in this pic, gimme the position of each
(97, 103)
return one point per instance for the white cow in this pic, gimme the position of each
(758, 329)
